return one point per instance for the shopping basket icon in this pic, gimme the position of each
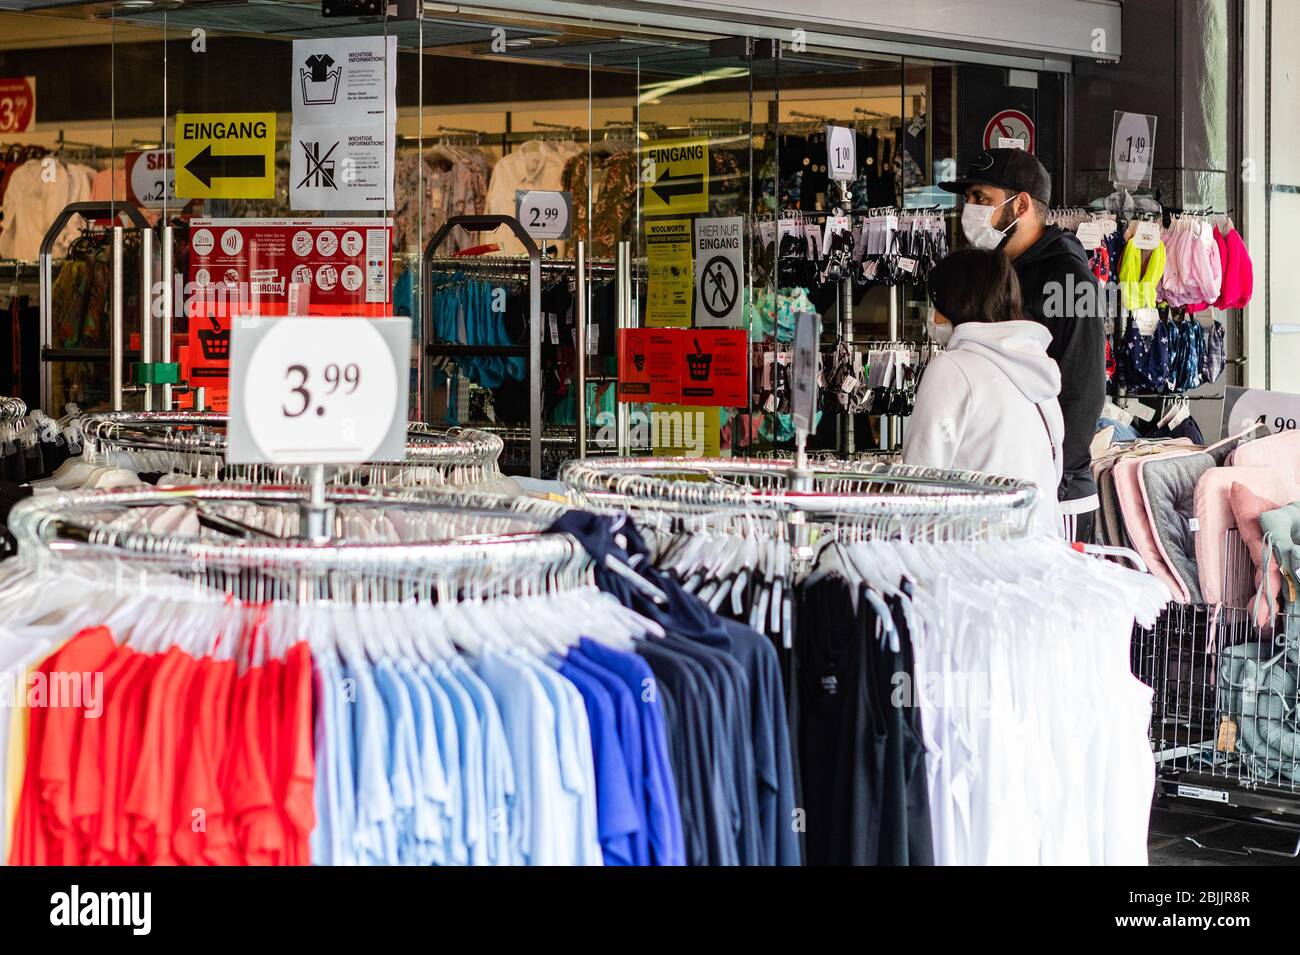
(697, 364)
(215, 342)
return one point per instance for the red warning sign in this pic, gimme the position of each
(696, 366)
(648, 365)
(715, 364)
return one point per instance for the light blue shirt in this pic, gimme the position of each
(473, 822)
(431, 781)
(375, 836)
(448, 742)
(539, 819)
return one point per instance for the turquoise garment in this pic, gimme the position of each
(784, 426)
(1257, 681)
(774, 314)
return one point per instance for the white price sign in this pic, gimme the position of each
(543, 214)
(318, 390)
(1132, 149)
(841, 154)
(151, 178)
(1243, 408)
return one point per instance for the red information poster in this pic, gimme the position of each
(648, 366)
(700, 366)
(271, 267)
(715, 363)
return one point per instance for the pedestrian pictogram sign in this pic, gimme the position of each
(675, 177)
(225, 155)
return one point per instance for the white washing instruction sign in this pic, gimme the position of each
(348, 81)
(341, 155)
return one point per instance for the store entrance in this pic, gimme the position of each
(623, 149)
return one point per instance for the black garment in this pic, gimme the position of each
(12, 466)
(10, 494)
(906, 836)
(53, 454)
(703, 794)
(1052, 269)
(862, 755)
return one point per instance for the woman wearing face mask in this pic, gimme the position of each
(988, 401)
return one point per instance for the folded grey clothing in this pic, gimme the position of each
(1258, 690)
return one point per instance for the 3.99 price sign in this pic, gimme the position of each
(17, 104)
(318, 390)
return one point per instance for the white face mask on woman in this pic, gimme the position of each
(977, 224)
(939, 334)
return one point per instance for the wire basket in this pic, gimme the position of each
(1225, 721)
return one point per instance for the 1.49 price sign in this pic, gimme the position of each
(318, 390)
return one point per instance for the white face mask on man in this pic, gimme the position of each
(977, 224)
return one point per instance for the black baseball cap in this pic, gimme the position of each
(1012, 169)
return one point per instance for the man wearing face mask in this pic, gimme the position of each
(1006, 195)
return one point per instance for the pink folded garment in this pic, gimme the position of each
(1137, 518)
(1219, 492)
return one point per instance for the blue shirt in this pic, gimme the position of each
(473, 823)
(617, 812)
(663, 813)
(431, 781)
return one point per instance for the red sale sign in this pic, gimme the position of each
(276, 267)
(17, 103)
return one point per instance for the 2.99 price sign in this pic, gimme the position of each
(544, 214)
(318, 390)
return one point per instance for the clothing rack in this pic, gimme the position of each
(497, 541)
(468, 455)
(885, 500)
(490, 223)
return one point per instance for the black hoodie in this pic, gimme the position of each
(1057, 262)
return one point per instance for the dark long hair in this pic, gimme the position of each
(972, 285)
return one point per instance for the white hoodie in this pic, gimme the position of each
(975, 410)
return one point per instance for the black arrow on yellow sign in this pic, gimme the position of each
(669, 185)
(205, 167)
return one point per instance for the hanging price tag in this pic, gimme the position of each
(1147, 236)
(841, 154)
(544, 215)
(813, 236)
(1089, 235)
(318, 390)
